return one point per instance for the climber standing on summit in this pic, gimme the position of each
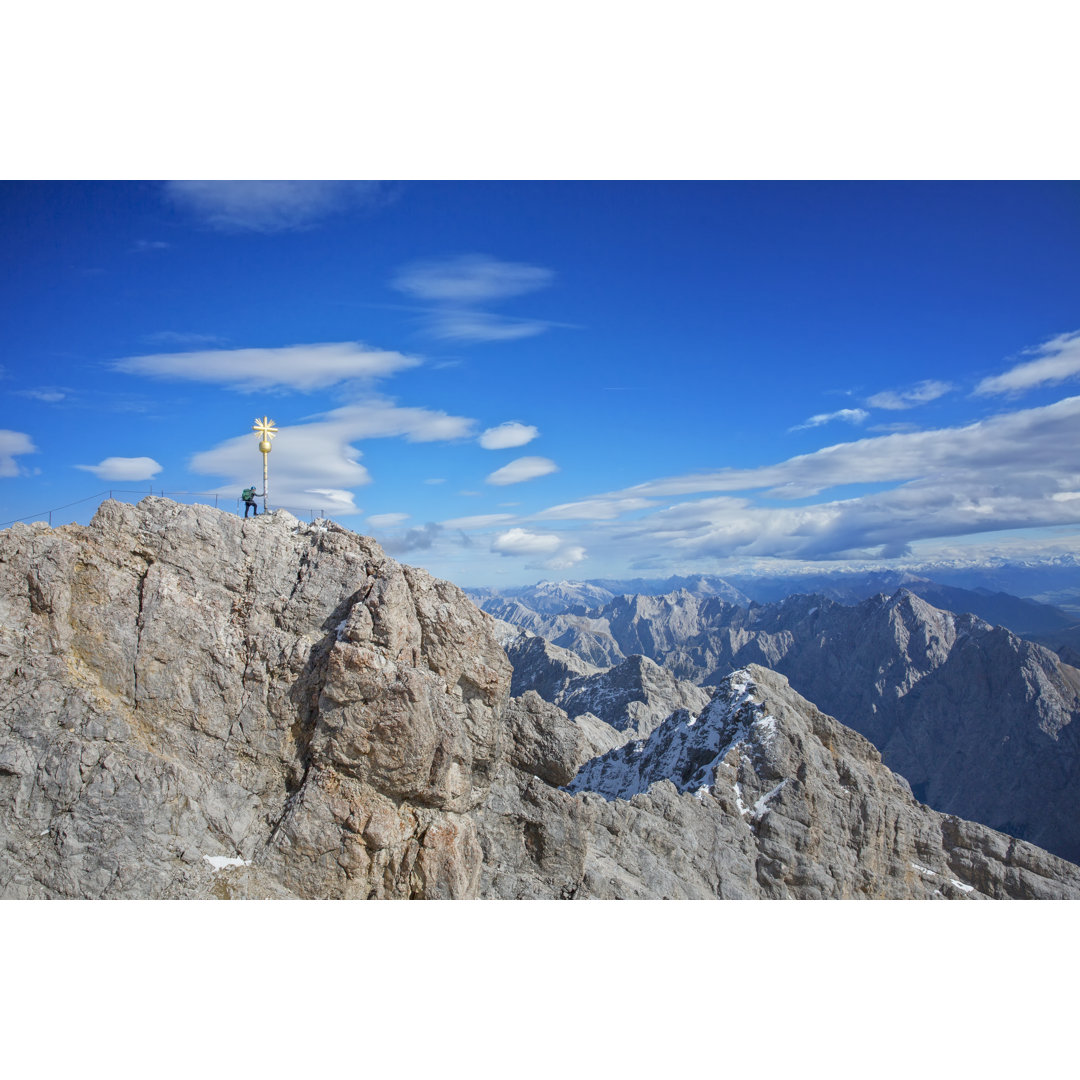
(249, 495)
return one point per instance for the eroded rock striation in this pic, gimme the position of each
(195, 705)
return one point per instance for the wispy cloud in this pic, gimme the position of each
(890, 429)
(478, 521)
(142, 247)
(318, 456)
(851, 416)
(268, 206)
(986, 444)
(470, 279)
(386, 521)
(596, 509)
(298, 367)
(919, 394)
(1055, 361)
(88, 397)
(477, 327)
(381, 418)
(12, 445)
(178, 337)
(49, 394)
(459, 285)
(526, 468)
(506, 435)
(123, 468)
(1006, 472)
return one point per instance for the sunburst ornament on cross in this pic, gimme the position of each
(265, 427)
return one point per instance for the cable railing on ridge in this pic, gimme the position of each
(46, 515)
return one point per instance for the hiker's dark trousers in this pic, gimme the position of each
(251, 506)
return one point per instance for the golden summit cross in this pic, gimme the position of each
(265, 427)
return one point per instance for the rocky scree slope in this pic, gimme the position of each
(195, 705)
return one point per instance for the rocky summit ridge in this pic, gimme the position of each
(195, 706)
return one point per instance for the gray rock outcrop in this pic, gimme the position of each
(980, 721)
(543, 667)
(761, 796)
(200, 706)
(631, 697)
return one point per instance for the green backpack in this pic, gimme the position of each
(248, 494)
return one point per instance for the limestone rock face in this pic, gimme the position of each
(542, 742)
(197, 706)
(979, 721)
(611, 707)
(543, 667)
(633, 696)
(185, 687)
(760, 796)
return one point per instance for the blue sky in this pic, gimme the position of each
(508, 381)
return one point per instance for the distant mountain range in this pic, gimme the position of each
(1023, 615)
(977, 719)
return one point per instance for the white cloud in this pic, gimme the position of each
(49, 394)
(460, 284)
(478, 521)
(319, 455)
(12, 444)
(523, 542)
(919, 394)
(386, 521)
(1007, 472)
(304, 458)
(506, 435)
(890, 429)
(123, 468)
(852, 416)
(569, 556)
(1055, 361)
(175, 337)
(990, 443)
(552, 551)
(143, 246)
(526, 468)
(480, 326)
(379, 418)
(300, 367)
(325, 502)
(268, 205)
(470, 279)
(596, 509)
